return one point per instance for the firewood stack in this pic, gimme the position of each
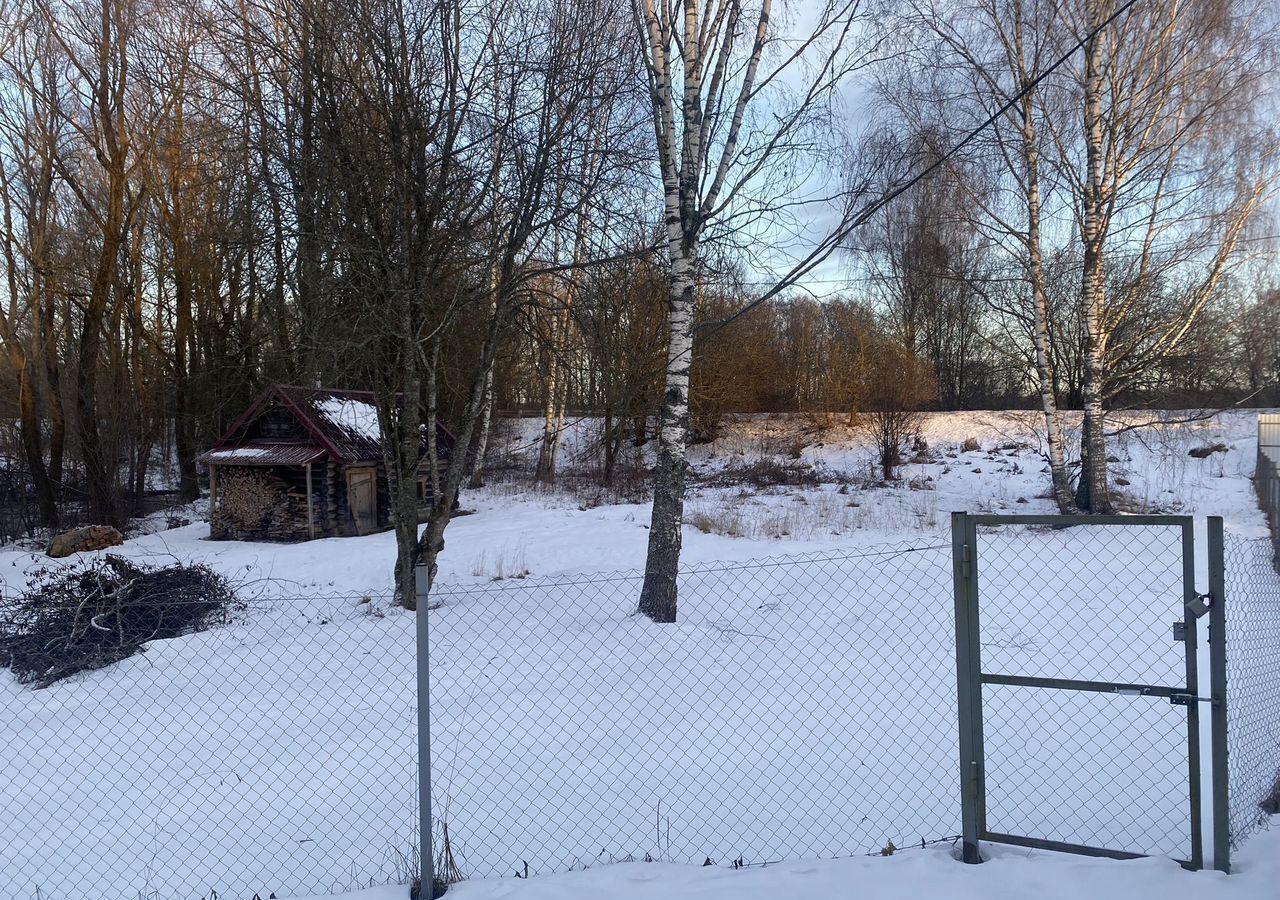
(256, 504)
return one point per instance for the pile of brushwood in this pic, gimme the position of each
(89, 615)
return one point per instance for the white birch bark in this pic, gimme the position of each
(1055, 444)
(1092, 493)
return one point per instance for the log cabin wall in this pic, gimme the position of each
(269, 503)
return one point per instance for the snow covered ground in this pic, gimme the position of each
(931, 874)
(517, 529)
(803, 708)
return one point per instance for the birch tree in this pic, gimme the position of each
(963, 59)
(1168, 166)
(733, 95)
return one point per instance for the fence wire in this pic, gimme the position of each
(273, 753)
(1253, 683)
(799, 708)
(1089, 603)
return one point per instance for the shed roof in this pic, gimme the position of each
(346, 422)
(342, 424)
(265, 453)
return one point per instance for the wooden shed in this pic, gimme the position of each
(303, 463)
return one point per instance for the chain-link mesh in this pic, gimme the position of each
(273, 752)
(800, 707)
(1096, 604)
(1252, 611)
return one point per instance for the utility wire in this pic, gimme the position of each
(822, 250)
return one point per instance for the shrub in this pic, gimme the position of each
(89, 615)
(1207, 450)
(766, 472)
(899, 385)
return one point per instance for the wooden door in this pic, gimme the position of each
(362, 495)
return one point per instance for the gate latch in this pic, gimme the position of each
(1180, 631)
(1131, 691)
(1183, 698)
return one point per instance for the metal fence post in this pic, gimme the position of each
(966, 684)
(426, 854)
(1191, 645)
(1218, 694)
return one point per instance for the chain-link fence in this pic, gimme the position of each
(1266, 475)
(800, 707)
(274, 752)
(1253, 683)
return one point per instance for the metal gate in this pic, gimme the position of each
(1078, 689)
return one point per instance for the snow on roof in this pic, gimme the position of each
(357, 417)
(263, 454)
(342, 423)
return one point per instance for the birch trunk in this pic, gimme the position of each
(1092, 493)
(1058, 475)
(662, 563)
(559, 432)
(475, 477)
(546, 470)
(683, 143)
(475, 460)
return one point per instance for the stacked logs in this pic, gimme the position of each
(257, 504)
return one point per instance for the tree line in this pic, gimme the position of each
(567, 208)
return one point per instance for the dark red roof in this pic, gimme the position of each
(344, 421)
(342, 424)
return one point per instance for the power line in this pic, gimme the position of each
(819, 253)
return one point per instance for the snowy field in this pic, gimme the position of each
(518, 529)
(803, 708)
(1008, 874)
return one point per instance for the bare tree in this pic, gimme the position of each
(578, 72)
(958, 61)
(898, 385)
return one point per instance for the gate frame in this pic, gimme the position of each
(970, 679)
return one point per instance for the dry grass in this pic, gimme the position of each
(769, 471)
(581, 489)
(813, 515)
(501, 564)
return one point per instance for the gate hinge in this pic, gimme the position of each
(965, 563)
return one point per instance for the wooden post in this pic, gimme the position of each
(311, 512)
(213, 489)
